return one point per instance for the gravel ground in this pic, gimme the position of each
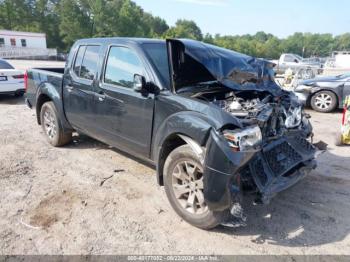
(88, 198)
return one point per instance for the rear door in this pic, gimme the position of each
(124, 116)
(79, 87)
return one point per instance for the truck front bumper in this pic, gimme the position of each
(276, 167)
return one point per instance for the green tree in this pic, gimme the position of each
(65, 21)
(15, 15)
(75, 22)
(341, 42)
(184, 29)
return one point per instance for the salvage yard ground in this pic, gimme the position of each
(88, 198)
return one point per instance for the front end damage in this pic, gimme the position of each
(281, 156)
(269, 151)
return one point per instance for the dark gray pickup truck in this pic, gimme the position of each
(213, 121)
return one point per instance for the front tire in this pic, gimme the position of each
(183, 182)
(324, 101)
(51, 125)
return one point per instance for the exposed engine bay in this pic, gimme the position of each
(274, 115)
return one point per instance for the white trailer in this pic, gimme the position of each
(15, 44)
(22, 39)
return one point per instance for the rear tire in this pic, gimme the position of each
(324, 101)
(183, 182)
(51, 125)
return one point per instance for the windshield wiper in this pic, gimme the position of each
(201, 86)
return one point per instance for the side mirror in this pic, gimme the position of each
(296, 61)
(139, 83)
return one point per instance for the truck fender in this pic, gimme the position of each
(194, 127)
(48, 92)
(178, 129)
(221, 172)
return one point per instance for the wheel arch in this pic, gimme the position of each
(185, 127)
(172, 142)
(46, 93)
(176, 130)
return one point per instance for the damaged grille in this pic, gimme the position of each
(304, 144)
(258, 168)
(281, 158)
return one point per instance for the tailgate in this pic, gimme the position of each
(40, 79)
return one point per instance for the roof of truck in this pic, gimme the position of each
(121, 40)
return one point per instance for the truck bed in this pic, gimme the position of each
(40, 78)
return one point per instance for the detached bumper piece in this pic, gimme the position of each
(280, 165)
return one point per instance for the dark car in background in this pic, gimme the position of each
(212, 121)
(325, 93)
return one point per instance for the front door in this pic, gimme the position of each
(124, 116)
(79, 86)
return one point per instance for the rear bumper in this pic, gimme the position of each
(278, 166)
(11, 87)
(12, 92)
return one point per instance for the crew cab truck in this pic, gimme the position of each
(213, 121)
(295, 63)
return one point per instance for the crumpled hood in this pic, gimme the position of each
(193, 62)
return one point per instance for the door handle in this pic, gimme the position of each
(101, 97)
(69, 88)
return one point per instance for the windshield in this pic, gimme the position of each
(5, 65)
(344, 75)
(299, 57)
(158, 55)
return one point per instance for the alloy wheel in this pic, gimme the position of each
(323, 101)
(50, 124)
(187, 183)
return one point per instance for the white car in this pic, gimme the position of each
(11, 80)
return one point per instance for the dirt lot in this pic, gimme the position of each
(87, 198)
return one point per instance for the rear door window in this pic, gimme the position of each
(79, 60)
(86, 61)
(88, 68)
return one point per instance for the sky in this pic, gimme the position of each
(237, 17)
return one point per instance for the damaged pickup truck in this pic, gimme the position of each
(214, 123)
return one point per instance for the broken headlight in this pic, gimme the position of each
(244, 139)
(293, 117)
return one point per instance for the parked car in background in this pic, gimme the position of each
(11, 80)
(324, 93)
(211, 120)
(295, 62)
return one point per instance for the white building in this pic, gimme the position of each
(341, 59)
(23, 44)
(22, 39)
